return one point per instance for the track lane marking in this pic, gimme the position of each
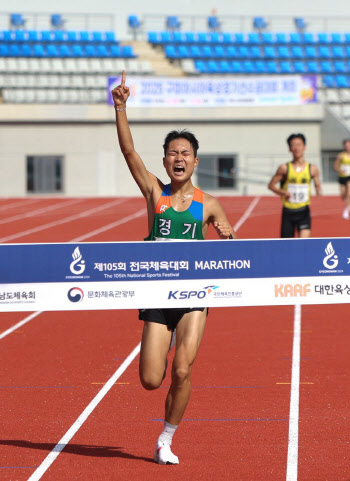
(19, 324)
(62, 443)
(293, 435)
(246, 214)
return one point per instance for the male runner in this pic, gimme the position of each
(342, 166)
(292, 181)
(175, 211)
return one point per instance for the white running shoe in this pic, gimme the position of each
(346, 213)
(163, 454)
(173, 340)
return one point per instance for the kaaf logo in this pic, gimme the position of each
(191, 294)
(331, 259)
(292, 290)
(78, 265)
(75, 294)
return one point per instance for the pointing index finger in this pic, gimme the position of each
(123, 77)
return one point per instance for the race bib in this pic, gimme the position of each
(299, 193)
(345, 169)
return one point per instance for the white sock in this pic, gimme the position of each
(168, 433)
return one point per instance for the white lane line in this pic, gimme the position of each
(19, 324)
(293, 437)
(63, 221)
(62, 443)
(18, 203)
(42, 210)
(246, 214)
(110, 226)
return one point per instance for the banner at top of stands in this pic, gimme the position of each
(123, 261)
(218, 92)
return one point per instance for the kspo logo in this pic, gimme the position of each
(292, 290)
(191, 294)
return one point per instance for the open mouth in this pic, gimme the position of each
(179, 169)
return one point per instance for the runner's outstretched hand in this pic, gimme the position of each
(121, 93)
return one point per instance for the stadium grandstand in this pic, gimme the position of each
(55, 60)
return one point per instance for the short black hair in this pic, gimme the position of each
(181, 134)
(296, 136)
(345, 140)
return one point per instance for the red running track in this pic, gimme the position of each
(237, 422)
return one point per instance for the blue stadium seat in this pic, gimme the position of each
(281, 38)
(77, 51)
(283, 52)
(183, 51)
(271, 67)
(20, 36)
(326, 66)
(165, 37)
(342, 81)
(243, 51)
(7, 36)
(212, 67)
(64, 50)
(347, 37)
(115, 51)
(102, 51)
(17, 20)
(213, 22)
(295, 38)
(329, 81)
(90, 51)
(4, 50)
(200, 66)
(177, 37)
(260, 67)
(323, 38)
(324, 52)
(72, 36)
(259, 23)
(219, 51)
(297, 52)
(207, 52)
(248, 66)
(38, 50)
(173, 22)
(239, 38)
(216, 37)
(312, 67)
(51, 51)
(267, 38)
(299, 67)
(255, 52)
(97, 36)
(33, 36)
(227, 38)
(127, 51)
(286, 67)
(236, 67)
(84, 36)
(253, 38)
(45, 36)
(59, 36)
(57, 20)
(153, 37)
(14, 50)
(269, 52)
(202, 37)
(336, 38)
(195, 51)
(310, 52)
(26, 50)
(110, 37)
(231, 52)
(338, 52)
(347, 51)
(224, 66)
(308, 38)
(190, 37)
(170, 51)
(339, 66)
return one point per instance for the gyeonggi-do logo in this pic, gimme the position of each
(78, 265)
(331, 259)
(75, 294)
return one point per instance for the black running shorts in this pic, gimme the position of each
(343, 180)
(168, 317)
(292, 219)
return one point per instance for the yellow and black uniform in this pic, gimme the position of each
(296, 211)
(344, 166)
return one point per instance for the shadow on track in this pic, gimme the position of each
(80, 449)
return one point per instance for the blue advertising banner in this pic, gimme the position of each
(173, 274)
